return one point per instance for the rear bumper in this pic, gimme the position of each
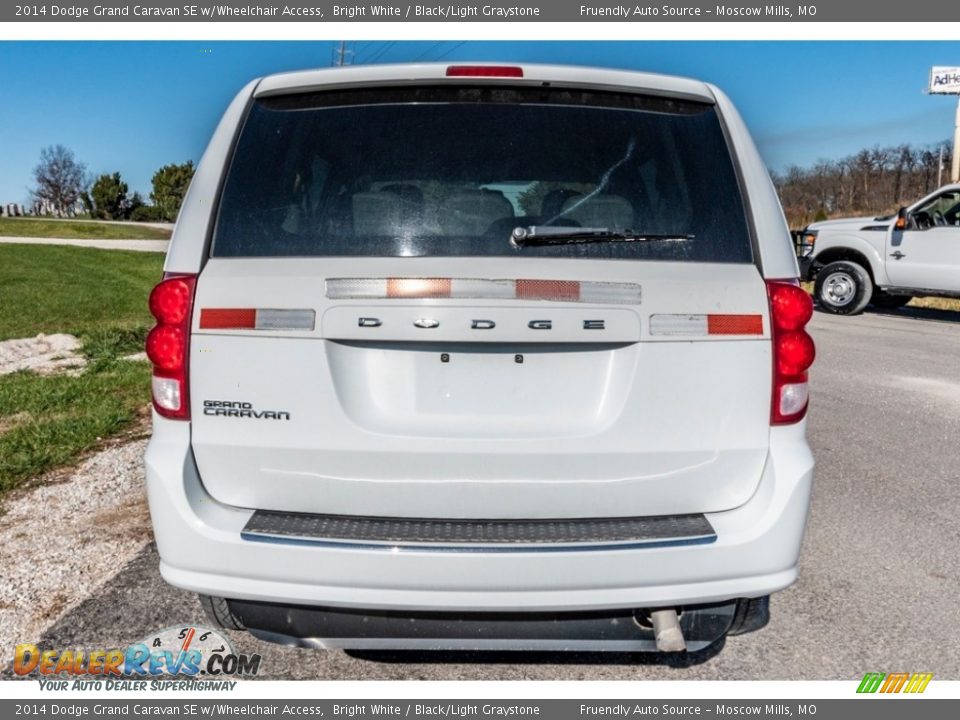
(620, 630)
(201, 549)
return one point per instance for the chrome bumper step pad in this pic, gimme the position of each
(458, 535)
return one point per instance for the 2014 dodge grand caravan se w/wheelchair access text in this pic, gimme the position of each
(481, 357)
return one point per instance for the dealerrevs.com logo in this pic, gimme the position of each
(187, 652)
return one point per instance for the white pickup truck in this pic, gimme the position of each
(885, 261)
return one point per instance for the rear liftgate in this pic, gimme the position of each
(469, 415)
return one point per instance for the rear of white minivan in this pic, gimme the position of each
(481, 357)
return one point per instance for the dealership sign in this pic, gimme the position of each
(945, 80)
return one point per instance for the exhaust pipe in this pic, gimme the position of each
(666, 630)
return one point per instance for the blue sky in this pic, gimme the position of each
(135, 106)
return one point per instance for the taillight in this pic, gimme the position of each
(168, 344)
(793, 350)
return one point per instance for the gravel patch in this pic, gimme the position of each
(44, 354)
(64, 537)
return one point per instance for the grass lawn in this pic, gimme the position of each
(46, 422)
(100, 296)
(77, 230)
(49, 288)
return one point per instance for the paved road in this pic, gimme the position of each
(880, 572)
(136, 245)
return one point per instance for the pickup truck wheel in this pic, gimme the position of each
(843, 288)
(889, 302)
(217, 610)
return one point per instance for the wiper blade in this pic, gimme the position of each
(547, 235)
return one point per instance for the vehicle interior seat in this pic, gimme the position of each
(377, 213)
(472, 212)
(553, 203)
(601, 210)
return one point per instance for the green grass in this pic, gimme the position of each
(46, 422)
(78, 230)
(48, 289)
(100, 296)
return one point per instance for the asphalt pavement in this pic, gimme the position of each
(880, 570)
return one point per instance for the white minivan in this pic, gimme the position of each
(481, 357)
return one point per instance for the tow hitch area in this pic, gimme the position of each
(623, 630)
(666, 630)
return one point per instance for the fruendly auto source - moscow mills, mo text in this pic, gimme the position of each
(679, 11)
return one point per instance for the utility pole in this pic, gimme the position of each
(955, 165)
(940, 169)
(341, 53)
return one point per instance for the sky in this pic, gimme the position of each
(132, 107)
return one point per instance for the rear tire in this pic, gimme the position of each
(217, 610)
(752, 614)
(843, 288)
(889, 302)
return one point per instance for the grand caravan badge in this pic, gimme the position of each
(238, 409)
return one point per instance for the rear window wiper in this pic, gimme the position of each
(546, 235)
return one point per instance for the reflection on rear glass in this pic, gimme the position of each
(453, 171)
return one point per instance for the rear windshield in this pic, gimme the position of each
(449, 171)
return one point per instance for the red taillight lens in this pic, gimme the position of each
(170, 301)
(790, 306)
(168, 344)
(793, 350)
(166, 348)
(484, 71)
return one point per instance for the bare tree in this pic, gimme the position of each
(822, 176)
(870, 182)
(904, 163)
(930, 159)
(60, 179)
